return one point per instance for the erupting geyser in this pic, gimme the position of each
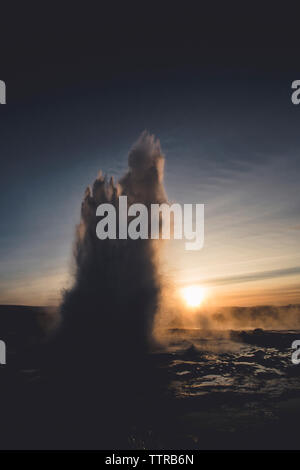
(110, 309)
(103, 375)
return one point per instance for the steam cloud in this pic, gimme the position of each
(110, 309)
(268, 317)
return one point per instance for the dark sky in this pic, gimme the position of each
(82, 84)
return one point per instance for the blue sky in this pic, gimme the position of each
(231, 140)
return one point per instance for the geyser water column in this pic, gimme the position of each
(107, 316)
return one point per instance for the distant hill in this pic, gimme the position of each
(21, 326)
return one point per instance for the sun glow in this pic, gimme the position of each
(193, 295)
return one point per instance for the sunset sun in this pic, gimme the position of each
(193, 295)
